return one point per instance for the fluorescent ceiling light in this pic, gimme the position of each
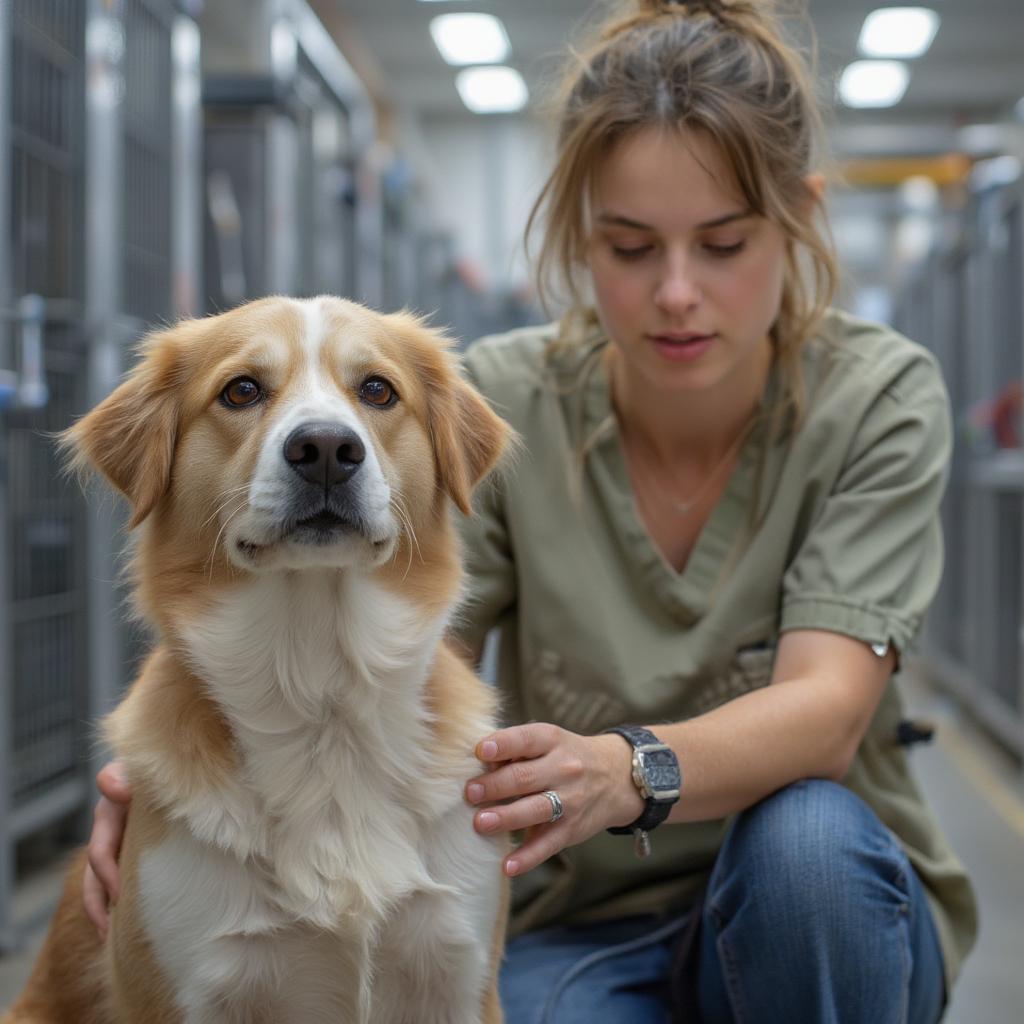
(874, 83)
(470, 38)
(898, 32)
(494, 90)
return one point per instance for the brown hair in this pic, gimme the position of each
(723, 68)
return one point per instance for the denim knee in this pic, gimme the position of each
(809, 850)
(814, 912)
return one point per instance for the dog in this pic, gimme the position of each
(298, 847)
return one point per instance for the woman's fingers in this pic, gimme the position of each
(544, 836)
(542, 843)
(521, 741)
(535, 809)
(514, 762)
(94, 896)
(105, 845)
(509, 781)
(588, 774)
(112, 784)
(101, 882)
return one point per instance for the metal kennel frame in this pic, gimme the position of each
(89, 121)
(966, 302)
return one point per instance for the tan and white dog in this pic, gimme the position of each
(298, 848)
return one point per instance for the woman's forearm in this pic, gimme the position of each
(740, 752)
(807, 724)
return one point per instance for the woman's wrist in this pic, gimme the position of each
(625, 804)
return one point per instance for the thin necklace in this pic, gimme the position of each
(684, 507)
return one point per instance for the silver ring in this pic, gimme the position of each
(557, 810)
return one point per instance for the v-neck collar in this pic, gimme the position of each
(686, 594)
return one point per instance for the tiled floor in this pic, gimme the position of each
(977, 794)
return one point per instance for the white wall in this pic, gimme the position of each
(482, 176)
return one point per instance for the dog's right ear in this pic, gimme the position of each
(130, 436)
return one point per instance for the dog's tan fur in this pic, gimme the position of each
(165, 441)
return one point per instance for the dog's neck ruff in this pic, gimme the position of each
(321, 678)
(310, 645)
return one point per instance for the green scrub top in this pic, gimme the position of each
(832, 526)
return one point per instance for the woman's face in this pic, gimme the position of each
(687, 280)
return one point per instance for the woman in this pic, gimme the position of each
(724, 529)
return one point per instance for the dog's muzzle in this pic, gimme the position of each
(328, 494)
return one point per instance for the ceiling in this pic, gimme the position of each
(973, 73)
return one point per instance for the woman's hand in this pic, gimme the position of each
(590, 774)
(102, 882)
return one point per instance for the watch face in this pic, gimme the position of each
(659, 771)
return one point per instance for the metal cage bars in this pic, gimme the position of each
(966, 302)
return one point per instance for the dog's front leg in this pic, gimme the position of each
(438, 956)
(433, 980)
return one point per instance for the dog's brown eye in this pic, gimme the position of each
(241, 392)
(377, 391)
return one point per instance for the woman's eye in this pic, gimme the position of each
(725, 250)
(624, 252)
(378, 392)
(242, 391)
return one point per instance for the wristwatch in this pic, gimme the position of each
(657, 775)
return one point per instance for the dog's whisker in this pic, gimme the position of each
(231, 492)
(405, 526)
(398, 504)
(216, 540)
(406, 520)
(228, 495)
(220, 508)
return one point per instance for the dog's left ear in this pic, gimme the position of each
(468, 436)
(130, 436)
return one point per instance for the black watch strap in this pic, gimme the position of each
(656, 770)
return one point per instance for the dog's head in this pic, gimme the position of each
(289, 434)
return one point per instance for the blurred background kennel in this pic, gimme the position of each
(161, 159)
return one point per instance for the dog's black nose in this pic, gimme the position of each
(324, 453)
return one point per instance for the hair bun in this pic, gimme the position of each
(713, 7)
(720, 9)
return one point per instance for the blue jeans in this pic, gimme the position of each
(813, 914)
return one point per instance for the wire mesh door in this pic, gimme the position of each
(48, 641)
(42, 600)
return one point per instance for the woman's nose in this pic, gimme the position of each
(677, 288)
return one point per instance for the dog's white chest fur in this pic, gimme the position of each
(340, 847)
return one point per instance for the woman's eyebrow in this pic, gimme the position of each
(619, 220)
(729, 218)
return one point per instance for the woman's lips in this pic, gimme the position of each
(682, 348)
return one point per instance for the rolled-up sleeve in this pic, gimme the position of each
(871, 561)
